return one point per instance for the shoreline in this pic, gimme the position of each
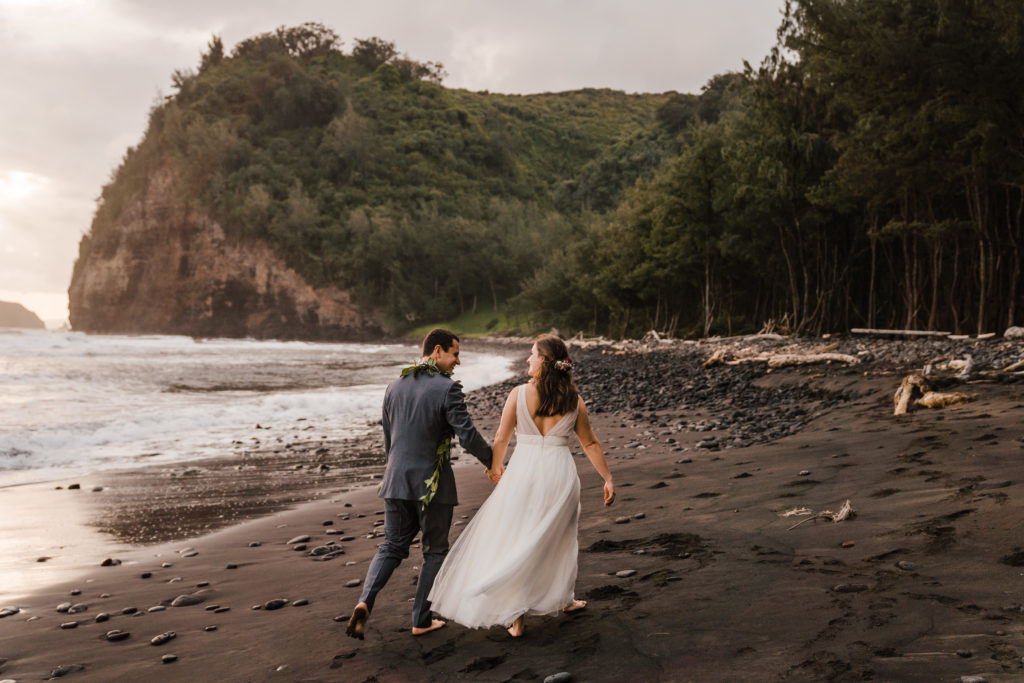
(920, 584)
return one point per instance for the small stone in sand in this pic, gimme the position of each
(622, 520)
(231, 566)
(299, 548)
(805, 473)
(116, 635)
(300, 603)
(973, 679)
(211, 627)
(847, 544)
(166, 565)
(328, 522)
(156, 608)
(640, 515)
(625, 573)
(849, 588)
(64, 607)
(42, 559)
(341, 618)
(110, 562)
(346, 539)
(994, 484)
(163, 638)
(353, 583)
(101, 617)
(299, 539)
(69, 624)
(129, 610)
(8, 611)
(78, 607)
(202, 584)
(276, 603)
(907, 565)
(560, 677)
(350, 563)
(145, 575)
(65, 669)
(75, 591)
(167, 659)
(966, 654)
(254, 544)
(221, 610)
(74, 487)
(186, 600)
(190, 553)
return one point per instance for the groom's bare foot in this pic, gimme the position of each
(574, 606)
(357, 622)
(516, 629)
(434, 625)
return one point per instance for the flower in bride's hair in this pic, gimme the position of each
(565, 365)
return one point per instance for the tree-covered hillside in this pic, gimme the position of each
(868, 172)
(364, 172)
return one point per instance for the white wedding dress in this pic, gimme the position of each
(518, 554)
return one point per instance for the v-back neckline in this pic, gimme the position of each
(533, 418)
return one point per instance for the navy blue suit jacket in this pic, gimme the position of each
(419, 410)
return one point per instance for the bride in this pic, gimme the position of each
(518, 554)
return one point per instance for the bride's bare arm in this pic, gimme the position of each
(592, 448)
(504, 434)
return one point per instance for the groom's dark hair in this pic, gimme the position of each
(438, 337)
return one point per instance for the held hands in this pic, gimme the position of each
(494, 474)
(609, 492)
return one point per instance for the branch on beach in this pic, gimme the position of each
(778, 360)
(845, 512)
(915, 388)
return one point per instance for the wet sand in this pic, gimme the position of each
(924, 583)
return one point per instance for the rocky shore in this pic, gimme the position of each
(716, 563)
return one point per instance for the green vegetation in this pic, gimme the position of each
(869, 172)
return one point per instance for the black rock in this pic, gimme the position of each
(64, 607)
(849, 588)
(300, 603)
(167, 659)
(299, 539)
(65, 669)
(328, 522)
(116, 635)
(145, 575)
(276, 603)
(74, 487)
(353, 583)
(75, 591)
(101, 617)
(129, 610)
(231, 566)
(622, 520)
(78, 607)
(8, 611)
(163, 638)
(255, 544)
(110, 562)
(69, 624)
(906, 565)
(221, 610)
(202, 584)
(187, 600)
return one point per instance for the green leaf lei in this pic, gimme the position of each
(444, 449)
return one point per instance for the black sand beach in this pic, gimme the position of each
(694, 574)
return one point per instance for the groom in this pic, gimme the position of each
(422, 410)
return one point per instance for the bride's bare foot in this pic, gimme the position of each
(516, 629)
(434, 625)
(574, 606)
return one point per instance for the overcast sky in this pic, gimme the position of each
(77, 79)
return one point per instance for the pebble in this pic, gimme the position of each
(345, 539)
(129, 610)
(907, 565)
(560, 677)
(116, 635)
(145, 575)
(190, 553)
(202, 584)
(64, 607)
(75, 591)
(994, 484)
(101, 617)
(625, 573)
(74, 487)
(849, 588)
(973, 679)
(97, 489)
(211, 627)
(65, 669)
(167, 659)
(69, 624)
(276, 603)
(187, 600)
(847, 544)
(166, 565)
(805, 473)
(78, 607)
(104, 595)
(300, 603)
(156, 608)
(640, 515)
(329, 522)
(298, 539)
(320, 550)
(231, 566)
(8, 611)
(254, 544)
(622, 520)
(966, 654)
(221, 610)
(210, 608)
(163, 638)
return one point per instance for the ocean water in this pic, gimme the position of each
(72, 403)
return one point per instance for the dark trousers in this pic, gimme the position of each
(402, 520)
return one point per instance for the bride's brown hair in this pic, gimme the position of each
(558, 394)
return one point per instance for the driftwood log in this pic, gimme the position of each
(914, 388)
